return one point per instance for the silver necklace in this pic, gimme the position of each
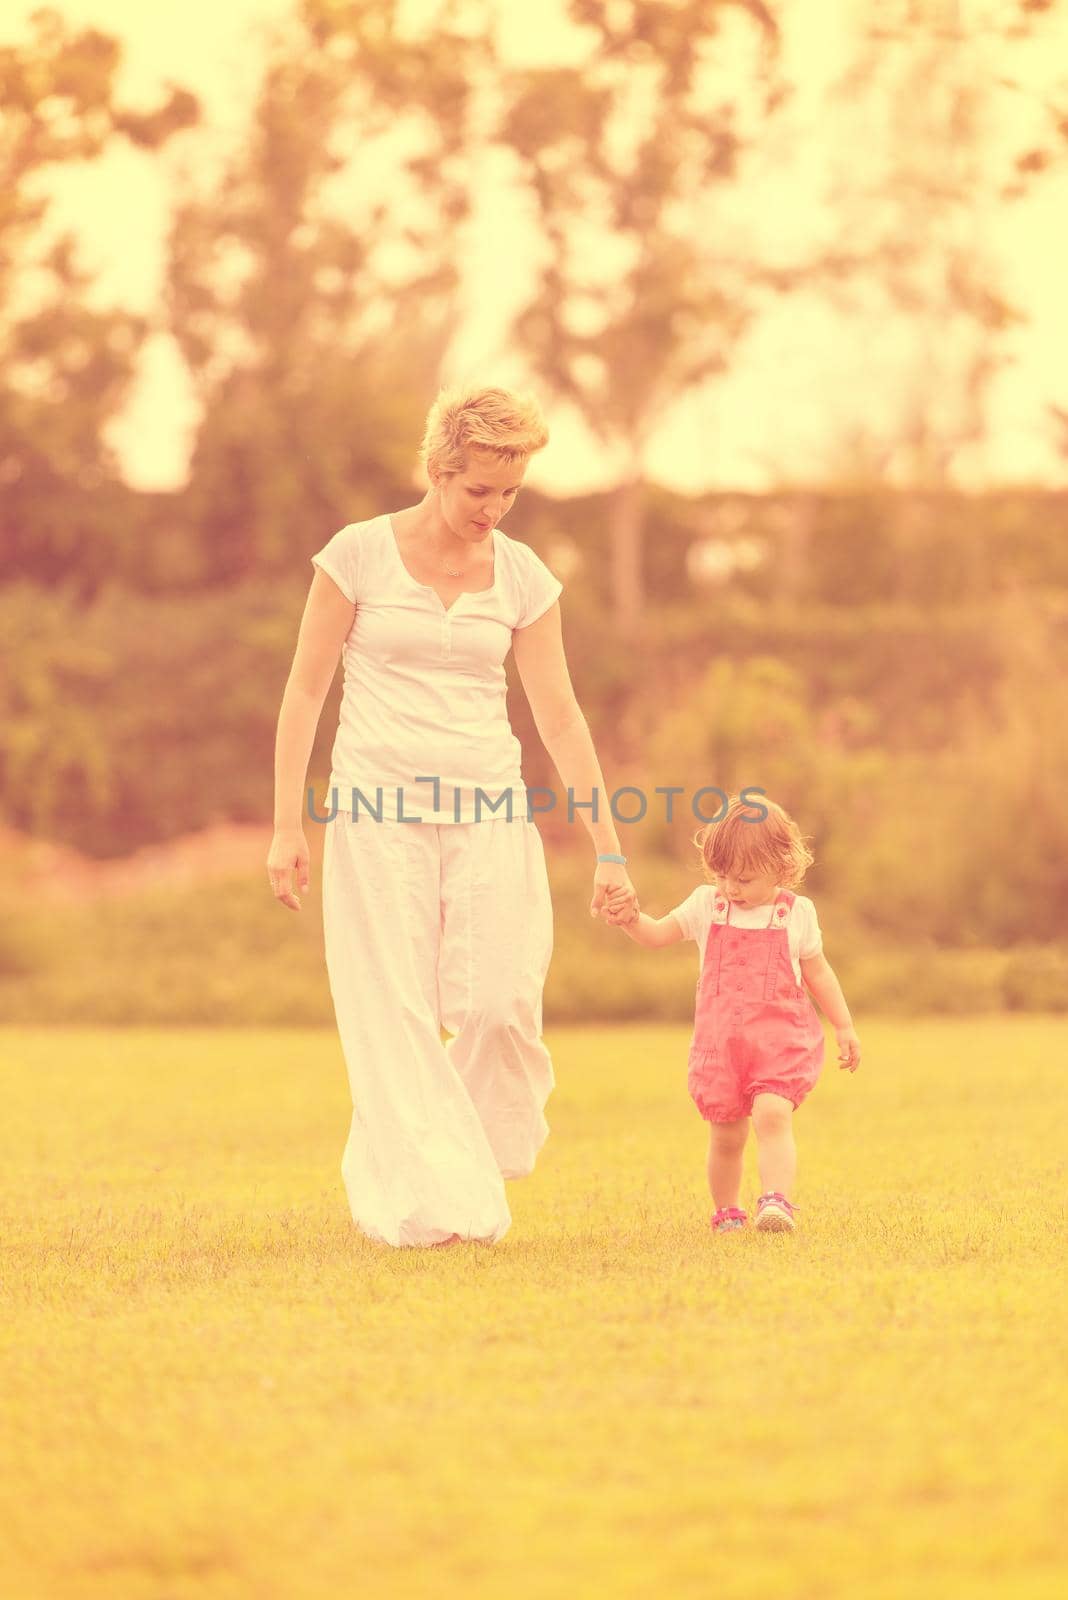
(451, 570)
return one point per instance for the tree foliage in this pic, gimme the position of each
(931, 94)
(628, 147)
(65, 366)
(312, 285)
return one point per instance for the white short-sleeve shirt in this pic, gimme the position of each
(694, 917)
(424, 684)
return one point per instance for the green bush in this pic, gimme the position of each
(919, 744)
(1036, 978)
(223, 953)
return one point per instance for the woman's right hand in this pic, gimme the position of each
(287, 865)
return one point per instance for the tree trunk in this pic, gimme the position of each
(800, 515)
(628, 590)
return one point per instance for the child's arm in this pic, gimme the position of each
(822, 981)
(652, 933)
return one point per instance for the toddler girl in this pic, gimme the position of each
(757, 1045)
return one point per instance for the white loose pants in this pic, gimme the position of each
(430, 926)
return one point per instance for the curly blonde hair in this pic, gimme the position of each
(743, 839)
(469, 417)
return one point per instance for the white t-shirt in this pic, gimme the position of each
(424, 686)
(694, 917)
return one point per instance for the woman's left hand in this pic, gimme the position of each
(611, 875)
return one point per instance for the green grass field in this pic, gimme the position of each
(213, 1386)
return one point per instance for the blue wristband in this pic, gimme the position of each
(621, 859)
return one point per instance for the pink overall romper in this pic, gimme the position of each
(755, 1030)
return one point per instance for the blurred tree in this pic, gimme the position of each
(1046, 103)
(637, 301)
(65, 368)
(927, 97)
(1046, 151)
(312, 284)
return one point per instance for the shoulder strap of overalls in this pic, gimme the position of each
(780, 912)
(780, 909)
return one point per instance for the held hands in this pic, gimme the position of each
(614, 896)
(848, 1048)
(620, 907)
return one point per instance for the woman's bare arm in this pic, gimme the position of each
(327, 619)
(565, 733)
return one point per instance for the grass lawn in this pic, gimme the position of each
(213, 1386)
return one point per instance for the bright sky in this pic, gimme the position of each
(810, 376)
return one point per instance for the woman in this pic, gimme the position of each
(436, 908)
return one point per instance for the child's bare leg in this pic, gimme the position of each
(726, 1147)
(773, 1123)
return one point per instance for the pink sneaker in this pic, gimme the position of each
(774, 1213)
(727, 1219)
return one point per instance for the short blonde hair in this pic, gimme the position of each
(743, 839)
(479, 418)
